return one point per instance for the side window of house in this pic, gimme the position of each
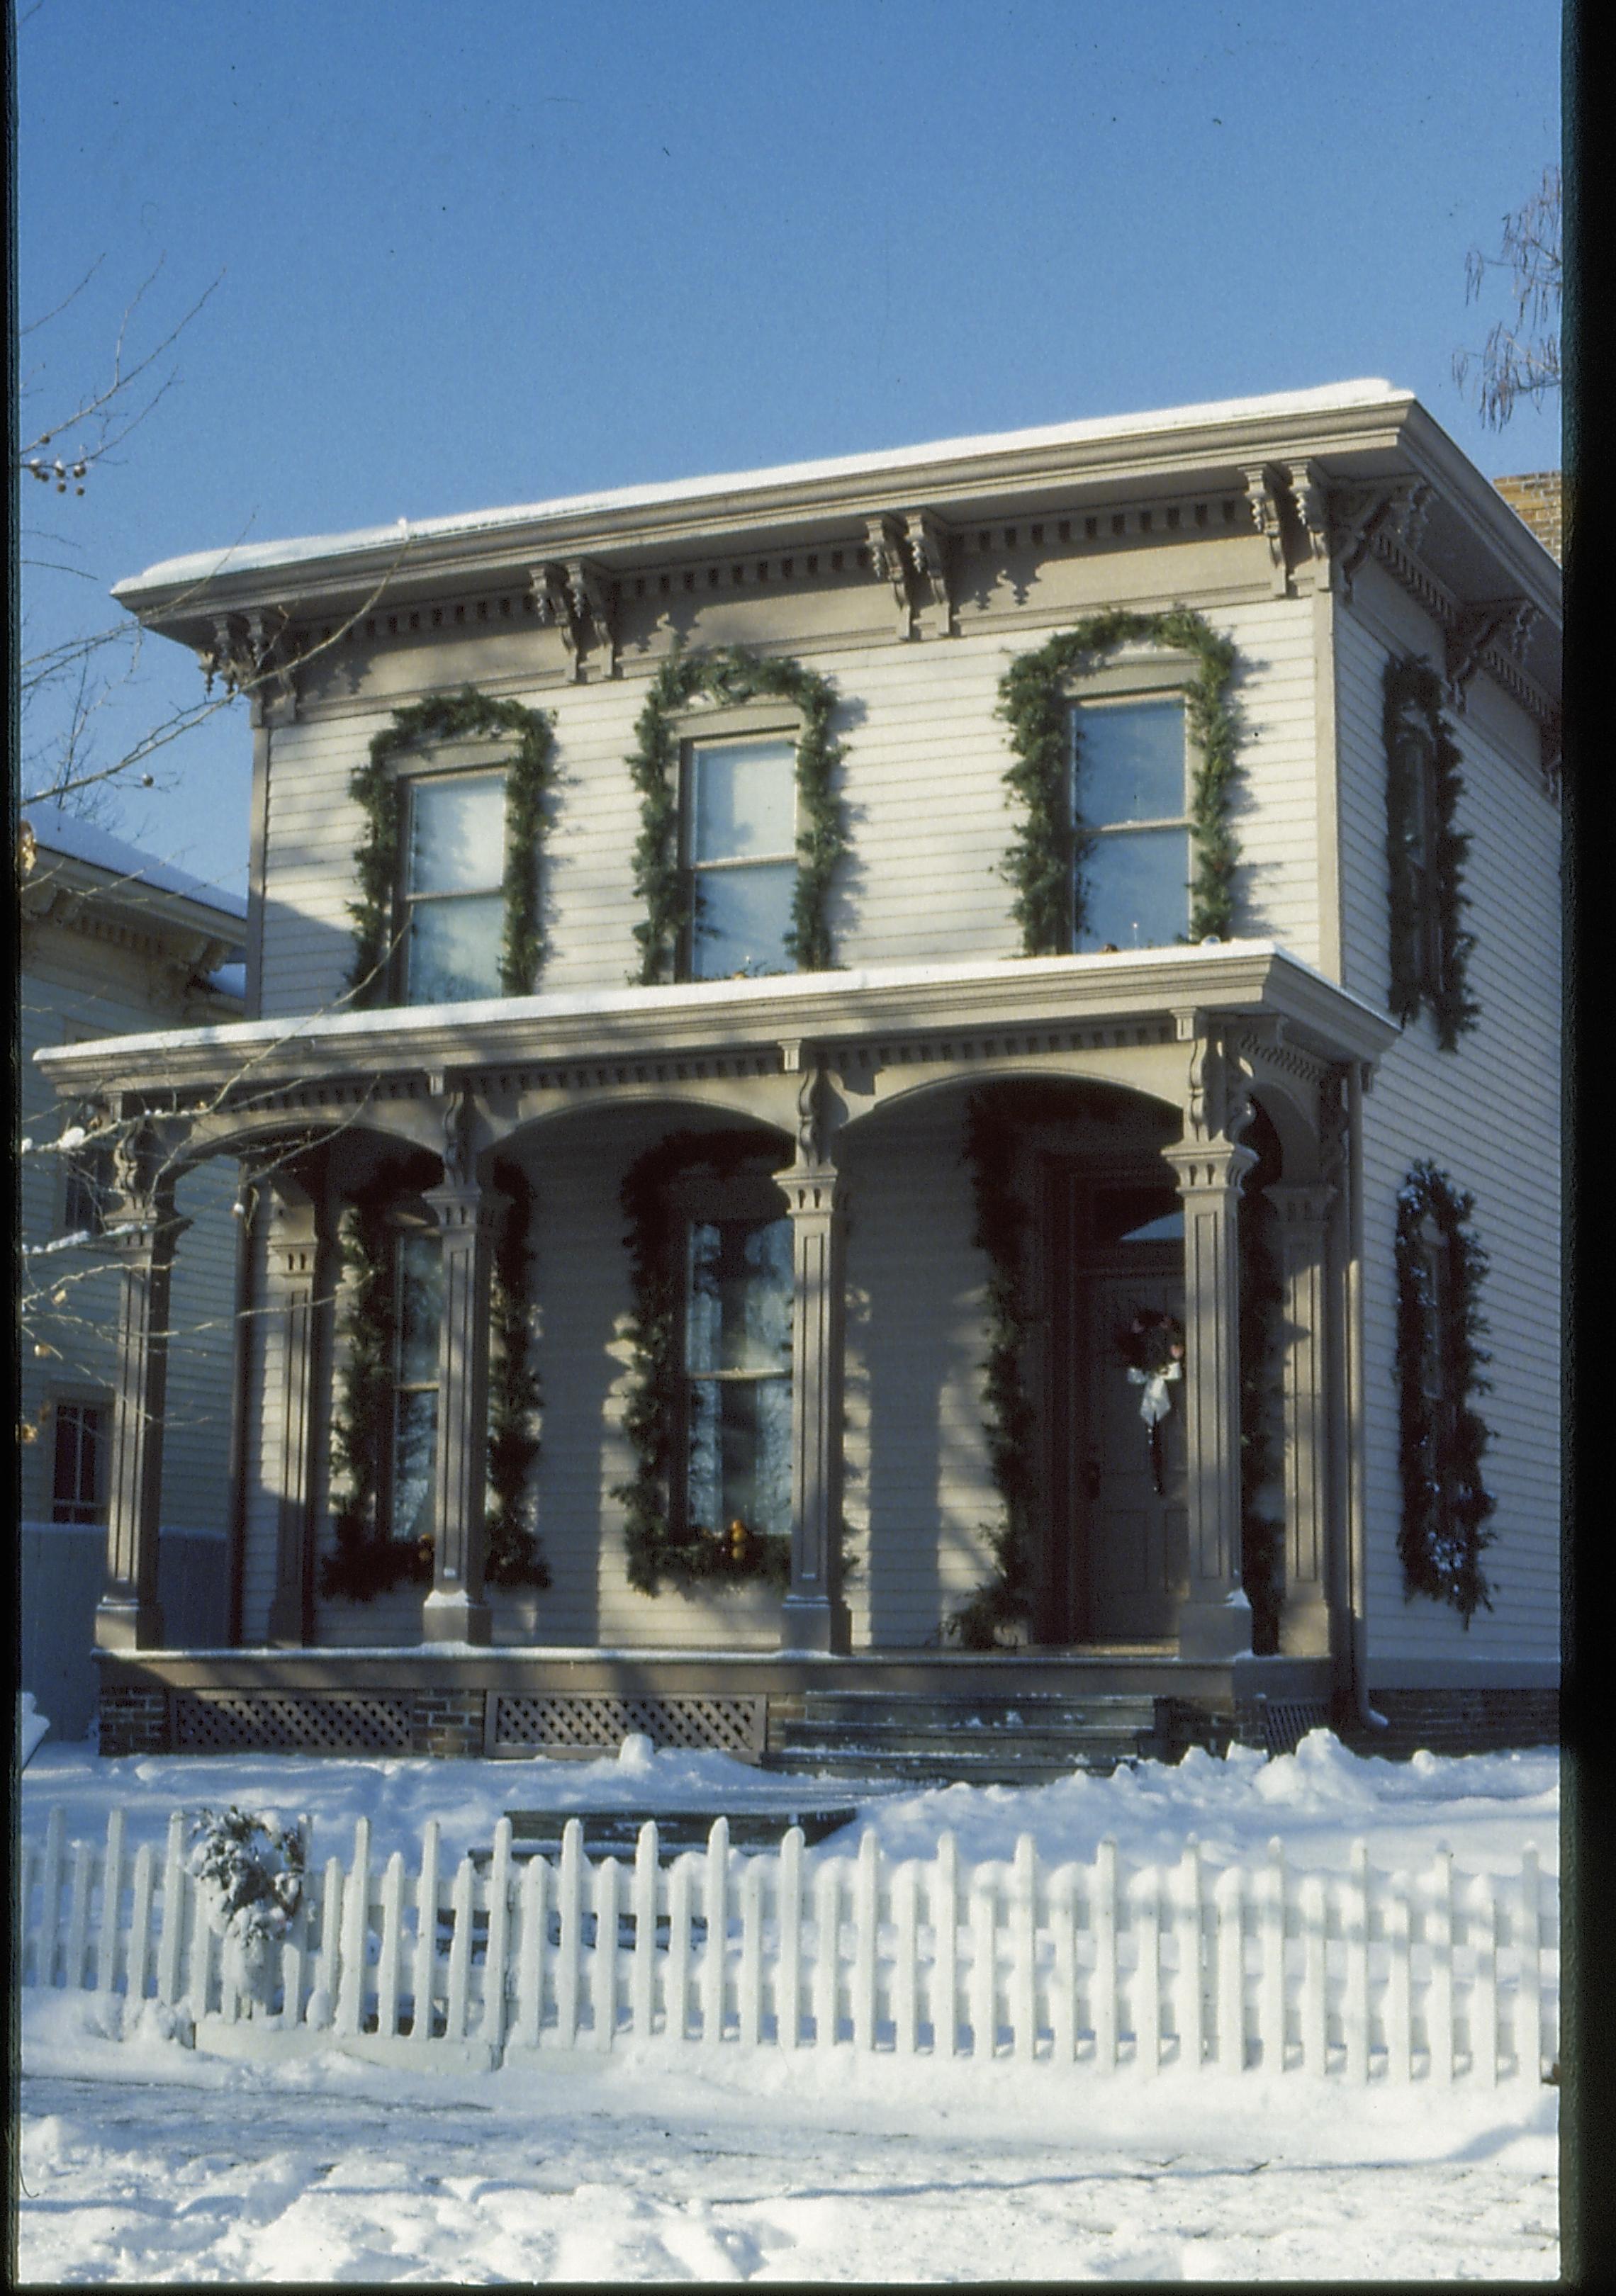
(79, 1476)
(738, 1373)
(417, 1314)
(451, 893)
(740, 849)
(86, 1190)
(1130, 809)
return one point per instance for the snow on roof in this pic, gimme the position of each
(64, 834)
(205, 565)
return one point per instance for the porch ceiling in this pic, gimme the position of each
(1011, 999)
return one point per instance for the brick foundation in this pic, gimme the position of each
(449, 1723)
(133, 1719)
(1457, 1722)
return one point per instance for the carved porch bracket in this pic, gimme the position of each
(1310, 524)
(1389, 520)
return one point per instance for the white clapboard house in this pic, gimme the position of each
(113, 939)
(907, 1102)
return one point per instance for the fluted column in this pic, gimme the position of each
(292, 1292)
(1216, 1619)
(141, 1241)
(467, 1217)
(1302, 1215)
(814, 1616)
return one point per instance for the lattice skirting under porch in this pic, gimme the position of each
(561, 1721)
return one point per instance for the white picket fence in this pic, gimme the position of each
(1362, 1975)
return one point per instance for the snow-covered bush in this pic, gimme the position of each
(250, 1869)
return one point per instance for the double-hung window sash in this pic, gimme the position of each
(740, 837)
(1130, 794)
(454, 898)
(738, 1374)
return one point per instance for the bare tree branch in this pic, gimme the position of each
(1520, 357)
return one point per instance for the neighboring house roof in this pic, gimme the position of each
(58, 831)
(72, 874)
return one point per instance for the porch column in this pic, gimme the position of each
(1302, 1214)
(292, 1301)
(467, 1217)
(141, 1241)
(1216, 1619)
(814, 1615)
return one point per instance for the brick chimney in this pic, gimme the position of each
(1535, 498)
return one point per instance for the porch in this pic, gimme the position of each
(1137, 1096)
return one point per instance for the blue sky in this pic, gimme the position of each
(467, 257)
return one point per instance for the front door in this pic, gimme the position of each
(1117, 1562)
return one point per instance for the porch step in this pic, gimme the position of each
(1009, 1740)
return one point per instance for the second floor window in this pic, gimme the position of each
(453, 890)
(1130, 809)
(418, 1311)
(79, 1481)
(741, 838)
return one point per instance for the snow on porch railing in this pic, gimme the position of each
(1364, 1976)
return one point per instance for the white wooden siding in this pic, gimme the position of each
(1488, 1114)
(72, 987)
(928, 815)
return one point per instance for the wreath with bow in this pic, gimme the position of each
(1152, 1348)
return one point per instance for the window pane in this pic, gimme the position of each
(454, 950)
(457, 834)
(739, 1455)
(738, 1316)
(414, 1456)
(744, 800)
(742, 919)
(419, 1308)
(77, 1481)
(1130, 762)
(1135, 889)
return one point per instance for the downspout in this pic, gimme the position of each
(1357, 1619)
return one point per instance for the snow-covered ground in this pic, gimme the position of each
(142, 2161)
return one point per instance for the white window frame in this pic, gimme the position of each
(702, 729)
(1159, 677)
(492, 765)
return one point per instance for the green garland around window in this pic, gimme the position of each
(659, 1548)
(1044, 858)
(1422, 771)
(731, 675)
(513, 1556)
(1003, 1603)
(376, 788)
(1441, 1438)
(367, 1561)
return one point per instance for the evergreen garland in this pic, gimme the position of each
(1422, 769)
(513, 1556)
(378, 790)
(732, 674)
(658, 1546)
(1444, 1503)
(366, 1559)
(1004, 1601)
(1050, 845)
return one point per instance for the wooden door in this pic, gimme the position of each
(1136, 1540)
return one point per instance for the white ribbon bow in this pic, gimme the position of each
(1156, 1403)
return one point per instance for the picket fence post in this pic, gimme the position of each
(603, 1960)
(1355, 1928)
(1228, 1900)
(111, 1903)
(1439, 1998)
(1528, 1980)
(866, 1886)
(50, 1896)
(1063, 1967)
(1482, 1925)
(142, 1891)
(1189, 2016)
(643, 1971)
(905, 1959)
(532, 1917)
(748, 1979)
(172, 1930)
(714, 1905)
(944, 1889)
(1146, 1898)
(568, 1949)
(391, 1947)
(1399, 1983)
(497, 1959)
(78, 1914)
(1024, 1949)
(984, 1965)
(353, 1934)
(1103, 1906)
(1315, 1998)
